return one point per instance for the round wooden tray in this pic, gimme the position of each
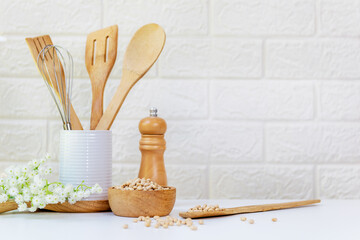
(78, 207)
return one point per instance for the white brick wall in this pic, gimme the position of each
(262, 98)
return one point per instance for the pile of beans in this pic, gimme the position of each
(141, 184)
(205, 208)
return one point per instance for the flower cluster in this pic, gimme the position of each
(26, 185)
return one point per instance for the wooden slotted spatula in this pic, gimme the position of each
(100, 56)
(141, 53)
(246, 209)
(36, 45)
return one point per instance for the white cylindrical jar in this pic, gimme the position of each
(86, 155)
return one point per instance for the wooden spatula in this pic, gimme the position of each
(100, 56)
(247, 209)
(141, 53)
(36, 45)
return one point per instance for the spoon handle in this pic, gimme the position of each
(269, 207)
(113, 108)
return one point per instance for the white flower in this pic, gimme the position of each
(25, 190)
(22, 207)
(80, 194)
(13, 191)
(35, 162)
(34, 189)
(48, 156)
(41, 193)
(87, 193)
(10, 170)
(52, 187)
(27, 197)
(75, 196)
(36, 201)
(47, 171)
(57, 190)
(96, 189)
(12, 181)
(62, 199)
(19, 199)
(2, 181)
(21, 180)
(68, 188)
(3, 198)
(42, 205)
(49, 199)
(17, 172)
(42, 160)
(25, 169)
(72, 200)
(33, 209)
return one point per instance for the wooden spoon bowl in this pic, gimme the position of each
(127, 203)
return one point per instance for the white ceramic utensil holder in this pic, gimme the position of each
(86, 155)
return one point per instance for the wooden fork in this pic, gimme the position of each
(35, 45)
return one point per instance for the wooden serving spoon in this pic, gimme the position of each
(100, 56)
(141, 53)
(247, 209)
(35, 45)
(78, 207)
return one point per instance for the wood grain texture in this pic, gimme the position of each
(35, 45)
(78, 207)
(141, 53)
(127, 203)
(100, 57)
(248, 209)
(152, 147)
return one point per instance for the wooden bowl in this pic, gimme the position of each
(127, 203)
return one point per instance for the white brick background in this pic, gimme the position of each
(262, 97)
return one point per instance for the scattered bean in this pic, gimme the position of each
(243, 219)
(251, 221)
(125, 226)
(201, 222)
(274, 219)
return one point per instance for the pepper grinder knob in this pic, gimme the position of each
(152, 147)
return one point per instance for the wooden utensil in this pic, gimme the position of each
(141, 53)
(128, 203)
(78, 207)
(36, 45)
(100, 56)
(247, 209)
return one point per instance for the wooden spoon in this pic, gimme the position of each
(141, 53)
(78, 207)
(36, 45)
(247, 209)
(100, 56)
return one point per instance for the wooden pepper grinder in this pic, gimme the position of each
(152, 147)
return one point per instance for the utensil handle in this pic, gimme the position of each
(113, 108)
(269, 207)
(96, 109)
(75, 122)
(8, 206)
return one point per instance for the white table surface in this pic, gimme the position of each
(331, 219)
